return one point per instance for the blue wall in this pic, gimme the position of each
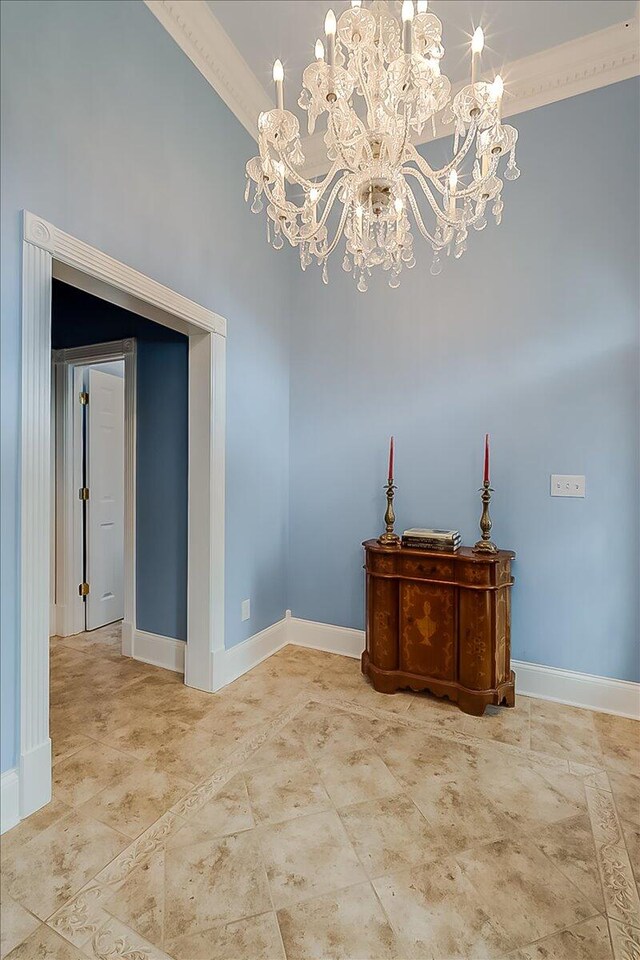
(532, 336)
(77, 319)
(110, 132)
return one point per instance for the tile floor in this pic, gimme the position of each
(298, 814)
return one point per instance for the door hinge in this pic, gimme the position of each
(83, 493)
(84, 398)
(83, 589)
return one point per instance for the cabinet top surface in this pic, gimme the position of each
(463, 553)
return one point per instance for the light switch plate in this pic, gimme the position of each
(246, 610)
(565, 485)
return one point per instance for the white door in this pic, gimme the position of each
(105, 507)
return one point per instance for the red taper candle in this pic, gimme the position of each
(391, 445)
(486, 458)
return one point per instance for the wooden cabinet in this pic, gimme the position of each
(440, 622)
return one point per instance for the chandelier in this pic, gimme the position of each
(381, 187)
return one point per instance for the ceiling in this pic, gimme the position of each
(265, 29)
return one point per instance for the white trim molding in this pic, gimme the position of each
(233, 662)
(604, 694)
(620, 697)
(9, 800)
(566, 70)
(43, 247)
(159, 651)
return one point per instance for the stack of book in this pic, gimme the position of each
(418, 538)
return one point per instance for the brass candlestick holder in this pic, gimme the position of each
(389, 538)
(485, 544)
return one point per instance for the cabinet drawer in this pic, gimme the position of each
(427, 568)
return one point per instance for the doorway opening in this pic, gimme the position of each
(49, 253)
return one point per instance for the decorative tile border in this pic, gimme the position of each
(616, 875)
(625, 941)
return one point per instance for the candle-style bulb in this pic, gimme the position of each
(407, 11)
(423, 6)
(330, 24)
(398, 204)
(319, 50)
(453, 181)
(356, 4)
(497, 88)
(314, 194)
(278, 71)
(477, 41)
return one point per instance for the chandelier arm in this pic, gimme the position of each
(419, 221)
(426, 189)
(338, 234)
(309, 184)
(454, 162)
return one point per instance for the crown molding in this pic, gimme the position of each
(578, 66)
(201, 36)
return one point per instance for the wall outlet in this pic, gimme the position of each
(246, 610)
(563, 485)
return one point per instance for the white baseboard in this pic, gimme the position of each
(325, 636)
(9, 799)
(34, 775)
(585, 690)
(232, 663)
(157, 650)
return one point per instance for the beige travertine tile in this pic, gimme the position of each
(588, 940)
(520, 888)
(65, 741)
(140, 901)
(285, 790)
(15, 839)
(356, 776)
(391, 834)
(56, 863)
(228, 812)
(324, 730)
(564, 731)
(257, 938)
(45, 944)
(614, 730)
(85, 773)
(504, 724)
(418, 756)
(307, 857)
(16, 924)
(213, 881)
(134, 801)
(631, 834)
(437, 913)
(345, 925)
(569, 844)
(141, 738)
(459, 813)
(284, 746)
(626, 795)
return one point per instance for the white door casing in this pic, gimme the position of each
(104, 516)
(46, 248)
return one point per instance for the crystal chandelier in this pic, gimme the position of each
(381, 187)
